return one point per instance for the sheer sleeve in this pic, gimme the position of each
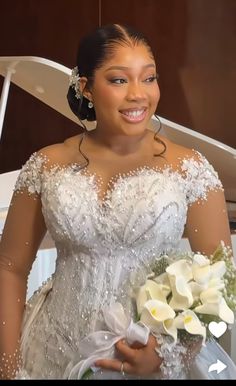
(23, 232)
(207, 221)
(207, 225)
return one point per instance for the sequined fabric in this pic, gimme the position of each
(105, 247)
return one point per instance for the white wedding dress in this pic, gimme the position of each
(104, 249)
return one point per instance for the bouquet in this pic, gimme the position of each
(179, 299)
(185, 293)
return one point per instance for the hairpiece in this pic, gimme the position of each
(74, 82)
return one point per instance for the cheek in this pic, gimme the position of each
(107, 97)
(154, 98)
(156, 94)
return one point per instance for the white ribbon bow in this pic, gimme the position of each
(101, 344)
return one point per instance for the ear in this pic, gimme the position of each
(84, 88)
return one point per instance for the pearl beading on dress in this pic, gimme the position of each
(106, 244)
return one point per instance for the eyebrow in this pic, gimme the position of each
(128, 68)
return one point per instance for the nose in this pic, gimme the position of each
(136, 92)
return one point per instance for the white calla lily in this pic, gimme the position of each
(182, 296)
(154, 313)
(180, 268)
(169, 328)
(196, 289)
(225, 313)
(213, 303)
(200, 260)
(211, 295)
(206, 276)
(217, 283)
(218, 269)
(189, 321)
(151, 290)
(186, 281)
(201, 274)
(201, 269)
(179, 273)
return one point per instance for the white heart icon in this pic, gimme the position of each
(217, 329)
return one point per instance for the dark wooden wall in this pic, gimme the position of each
(195, 44)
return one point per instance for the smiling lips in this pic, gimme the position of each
(134, 115)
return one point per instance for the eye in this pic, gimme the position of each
(151, 79)
(118, 80)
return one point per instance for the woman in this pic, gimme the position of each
(110, 198)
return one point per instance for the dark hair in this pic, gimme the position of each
(93, 50)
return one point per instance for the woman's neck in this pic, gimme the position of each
(120, 144)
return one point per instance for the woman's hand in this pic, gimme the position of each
(138, 360)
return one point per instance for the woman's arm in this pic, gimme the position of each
(23, 232)
(208, 224)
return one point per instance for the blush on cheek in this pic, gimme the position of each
(157, 93)
(109, 98)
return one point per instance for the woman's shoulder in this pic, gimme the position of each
(198, 173)
(61, 153)
(48, 157)
(176, 153)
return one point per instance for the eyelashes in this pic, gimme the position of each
(120, 81)
(151, 79)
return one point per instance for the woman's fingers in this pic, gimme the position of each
(114, 365)
(129, 356)
(127, 352)
(109, 364)
(139, 361)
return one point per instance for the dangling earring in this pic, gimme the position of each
(90, 105)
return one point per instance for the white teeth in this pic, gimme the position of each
(134, 114)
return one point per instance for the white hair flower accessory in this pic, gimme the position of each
(74, 82)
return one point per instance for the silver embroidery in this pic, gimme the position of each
(105, 246)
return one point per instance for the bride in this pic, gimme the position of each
(113, 199)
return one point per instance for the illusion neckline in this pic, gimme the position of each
(104, 199)
(116, 179)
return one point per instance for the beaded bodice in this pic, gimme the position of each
(107, 246)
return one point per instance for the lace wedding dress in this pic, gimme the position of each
(104, 249)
